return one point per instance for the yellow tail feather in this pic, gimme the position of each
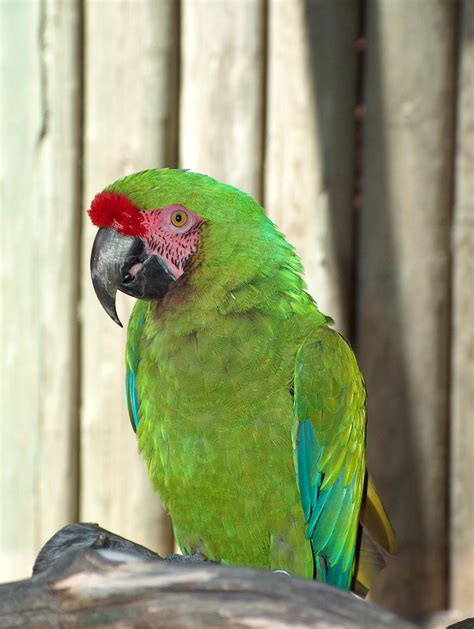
(375, 520)
(375, 531)
(369, 563)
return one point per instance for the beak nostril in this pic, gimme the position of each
(133, 271)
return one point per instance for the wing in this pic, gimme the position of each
(330, 406)
(132, 360)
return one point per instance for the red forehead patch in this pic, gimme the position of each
(109, 209)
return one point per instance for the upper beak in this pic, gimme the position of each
(120, 262)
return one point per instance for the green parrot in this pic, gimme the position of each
(249, 408)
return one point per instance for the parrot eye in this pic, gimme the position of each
(179, 218)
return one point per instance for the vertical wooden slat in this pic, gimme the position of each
(403, 300)
(310, 140)
(39, 189)
(130, 48)
(462, 374)
(222, 45)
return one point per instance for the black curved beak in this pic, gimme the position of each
(121, 263)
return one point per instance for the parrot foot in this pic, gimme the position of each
(282, 572)
(196, 558)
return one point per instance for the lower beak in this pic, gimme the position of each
(121, 263)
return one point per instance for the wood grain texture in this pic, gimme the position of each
(222, 48)
(111, 588)
(39, 190)
(462, 374)
(310, 141)
(404, 286)
(130, 56)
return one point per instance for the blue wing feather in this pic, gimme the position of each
(323, 511)
(132, 398)
(132, 362)
(305, 462)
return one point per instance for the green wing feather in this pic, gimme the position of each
(330, 406)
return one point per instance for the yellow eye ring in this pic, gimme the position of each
(179, 218)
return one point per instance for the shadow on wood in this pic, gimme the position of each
(86, 576)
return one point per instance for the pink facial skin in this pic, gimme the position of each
(175, 245)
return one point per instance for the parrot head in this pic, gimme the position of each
(154, 226)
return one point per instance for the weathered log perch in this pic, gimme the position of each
(86, 535)
(88, 577)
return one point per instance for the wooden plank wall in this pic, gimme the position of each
(39, 212)
(261, 94)
(310, 134)
(403, 284)
(462, 367)
(221, 111)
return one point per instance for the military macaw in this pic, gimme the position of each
(249, 408)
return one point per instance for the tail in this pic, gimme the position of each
(375, 536)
